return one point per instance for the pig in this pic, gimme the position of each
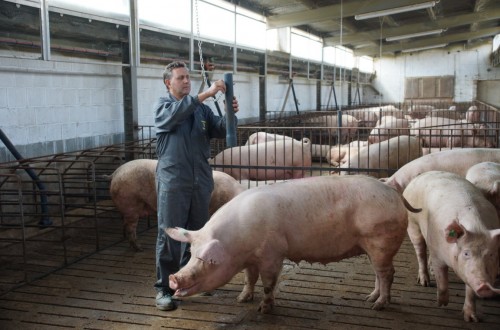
(454, 160)
(419, 111)
(133, 191)
(379, 159)
(260, 137)
(348, 128)
(486, 176)
(473, 115)
(445, 132)
(316, 219)
(459, 228)
(365, 117)
(388, 128)
(279, 159)
(445, 113)
(339, 154)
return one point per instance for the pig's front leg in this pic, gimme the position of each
(469, 308)
(251, 277)
(269, 276)
(441, 274)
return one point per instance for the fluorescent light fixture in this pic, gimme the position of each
(414, 35)
(423, 48)
(397, 10)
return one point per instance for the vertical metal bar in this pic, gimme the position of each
(131, 56)
(44, 30)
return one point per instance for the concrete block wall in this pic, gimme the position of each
(49, 107)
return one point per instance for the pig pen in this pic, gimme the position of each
(65, 262)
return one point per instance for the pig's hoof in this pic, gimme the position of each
(245, 297)
(136, 247)
(265, 308)
(470, 317)
(379, 305)
(371, 297)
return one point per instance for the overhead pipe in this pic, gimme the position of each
(45, 220)
(230, 118)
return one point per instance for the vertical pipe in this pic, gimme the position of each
(45, 220)
(44, 29)
(230, 119)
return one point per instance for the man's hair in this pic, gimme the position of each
(167, 74)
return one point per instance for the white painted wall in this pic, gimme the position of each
(467, 65)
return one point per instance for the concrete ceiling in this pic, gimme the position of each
(465, 22)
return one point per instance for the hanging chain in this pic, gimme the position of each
(202, 63)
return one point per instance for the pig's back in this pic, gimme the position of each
(445, 196)
(455, 160)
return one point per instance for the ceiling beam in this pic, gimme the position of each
(443, 23)
(349, 8)
(450, 38)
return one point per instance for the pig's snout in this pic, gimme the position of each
(172, 282)
(486, 290)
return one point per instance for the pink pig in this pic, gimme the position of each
(457, 224)
(133, 191)
(316, 219)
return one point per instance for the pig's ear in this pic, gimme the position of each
(453, 232)
(179, 234)
(212, 253)
(494, 189)
(495, 234)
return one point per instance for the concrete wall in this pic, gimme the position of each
(467, 65)
(49, 107)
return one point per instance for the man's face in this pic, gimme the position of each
(180, 83)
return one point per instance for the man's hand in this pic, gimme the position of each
(236, 106)
(217, 86)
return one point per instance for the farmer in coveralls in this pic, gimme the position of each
(184, 180)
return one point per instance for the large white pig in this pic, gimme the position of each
(261, 137)
(379, 159)
(458, 226)
(389, 128)
(133, 191)
(455, 160)
(339, 154)
(348, 128)
(446, 132)
(316, 219)
(486, 176)
(279, 159)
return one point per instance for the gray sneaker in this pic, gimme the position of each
(164, 301)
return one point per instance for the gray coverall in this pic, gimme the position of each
(184, 180)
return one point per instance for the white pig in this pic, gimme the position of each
(348, 128)
(279, 159)
(458, 226)
(455, 160)
(133, 191)
(261, 137)
(486, 176)
(388, 128)
(316, 219)
(378, 159)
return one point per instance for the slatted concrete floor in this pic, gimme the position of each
(112, 289)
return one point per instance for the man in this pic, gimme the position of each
(184, 181)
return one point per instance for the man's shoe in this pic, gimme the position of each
(164, 301)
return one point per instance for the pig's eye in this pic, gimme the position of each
(466, 253)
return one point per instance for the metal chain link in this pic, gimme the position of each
(203, 72)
